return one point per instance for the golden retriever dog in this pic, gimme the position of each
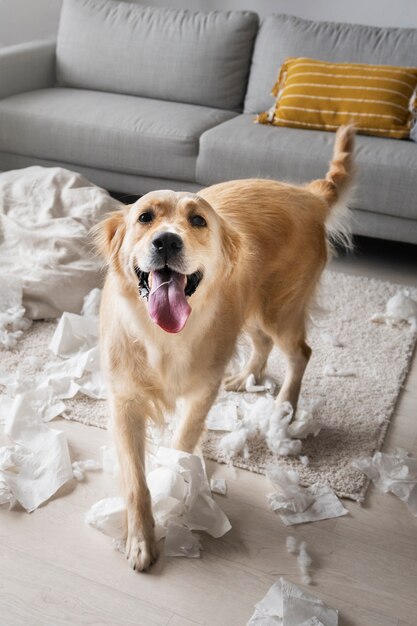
(186, 274)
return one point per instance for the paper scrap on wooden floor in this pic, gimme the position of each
(304, 563)
(180, 495)
(285, 604)
(79, 468)
(37, 461)
(394, 472)
(180, 541)
(218, 485)
(299, 549)
(109, 517)
(297, 504)
(400, 309)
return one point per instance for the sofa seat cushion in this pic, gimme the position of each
(108, 131)
(386, 180)
(171, 54)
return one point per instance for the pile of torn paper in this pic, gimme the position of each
(297, 504)
(285, 604)
(36, 462)
(395, 473)
(277, 424)
(400, 309)
(181, 502)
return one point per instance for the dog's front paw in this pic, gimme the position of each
(140, 552)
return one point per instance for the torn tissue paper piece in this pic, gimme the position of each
(265, 418)
(400, 309)
(251, 385)
(80, 467)
(180, 495)
(37, 463)
(298, 504)
(285, 604)
(223, 416)
(12, 314)
(299, 549)
(395, 473)
(109, 517)
(342, 372)
(78, 372)
(292, 544)
(180, 541)
(304, 563)
(290, 495)
(218, 485)
(231, 444)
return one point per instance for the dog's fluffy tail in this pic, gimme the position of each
(334, 188)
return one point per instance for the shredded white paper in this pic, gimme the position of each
(233, 443)
(292, 544)
(285, 604)
(400, 309)
(304, 562)
(299, 549)
(13, 322)
(342, 372)
(298, 504)
(181, 498)
(265, 418)
(395, 473)
(218, 485)
(35, 464)
(79, 468)
(180, 541)
(223, 416)
(251, 386)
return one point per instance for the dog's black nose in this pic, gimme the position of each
(167, 244)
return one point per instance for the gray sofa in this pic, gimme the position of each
(138, 98)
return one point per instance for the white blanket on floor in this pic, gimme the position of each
(45, 218)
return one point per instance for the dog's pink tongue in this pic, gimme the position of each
(167, 304)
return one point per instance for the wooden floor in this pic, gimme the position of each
(55, 570)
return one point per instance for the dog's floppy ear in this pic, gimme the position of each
(230, 245)
(108, 234)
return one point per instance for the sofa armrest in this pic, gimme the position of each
(26, 67)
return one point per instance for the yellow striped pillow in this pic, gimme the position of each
(379, 99)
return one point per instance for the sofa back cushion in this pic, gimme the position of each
(283, 36)
(168, 54)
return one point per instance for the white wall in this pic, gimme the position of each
(27, 20)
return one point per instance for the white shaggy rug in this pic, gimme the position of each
(355, 410)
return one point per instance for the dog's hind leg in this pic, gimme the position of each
(261, 347)
(129, 426)
(297, 354)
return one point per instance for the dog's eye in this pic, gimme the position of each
(146, 217)
(198, 221)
